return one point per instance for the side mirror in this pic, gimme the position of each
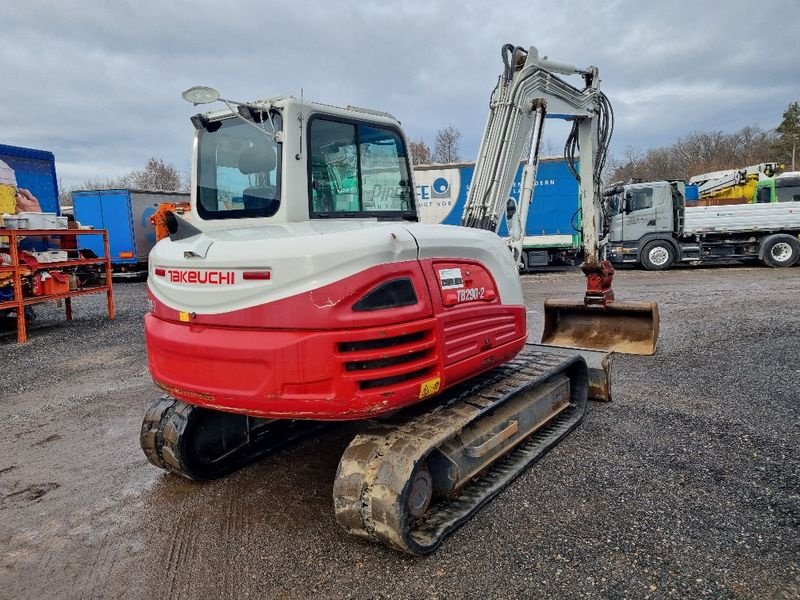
(626, 204)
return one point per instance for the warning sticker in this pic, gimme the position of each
(429, 388)
(451, 279)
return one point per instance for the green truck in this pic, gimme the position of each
(783, 188)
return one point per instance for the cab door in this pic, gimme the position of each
(647, 209)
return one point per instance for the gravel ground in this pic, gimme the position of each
(686, 485)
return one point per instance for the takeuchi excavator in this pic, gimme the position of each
(305, 291)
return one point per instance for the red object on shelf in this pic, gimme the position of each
(57, 283)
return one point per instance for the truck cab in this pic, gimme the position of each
(640, 213)
(783, 188)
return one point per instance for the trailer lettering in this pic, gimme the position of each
(202, 277)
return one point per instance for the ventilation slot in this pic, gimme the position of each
(383, 342)
(392, 294)
(387, 381)
(380, 363)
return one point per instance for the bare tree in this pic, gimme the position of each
(420, 152)
(548, 149)
(626, 168)
(156, 175)
(446, 146)
(65, 192)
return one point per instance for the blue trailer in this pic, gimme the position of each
(34, 170)
(552, 232)
(125, 213)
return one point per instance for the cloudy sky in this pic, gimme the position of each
(98, 83)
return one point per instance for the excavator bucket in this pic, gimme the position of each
(627, 327)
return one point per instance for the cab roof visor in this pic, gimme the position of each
(200, 121)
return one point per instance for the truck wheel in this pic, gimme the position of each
(658, 256)
(781, 251)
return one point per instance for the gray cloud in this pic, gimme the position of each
(99, 83)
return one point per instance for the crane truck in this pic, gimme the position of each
(305, 290)
(732, 186)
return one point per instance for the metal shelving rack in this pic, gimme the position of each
(19, 302)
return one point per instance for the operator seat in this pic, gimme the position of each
(264, 199)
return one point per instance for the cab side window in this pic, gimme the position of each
(334, 167)
(357, 170)
(640, 199)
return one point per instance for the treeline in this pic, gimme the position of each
(695, 154)
(700, 152)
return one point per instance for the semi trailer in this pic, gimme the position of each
(126, 214)
(552, 230)
(650, 224)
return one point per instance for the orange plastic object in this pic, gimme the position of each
(57, 283)
(158, 217)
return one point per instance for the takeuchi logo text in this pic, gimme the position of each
(202, 277)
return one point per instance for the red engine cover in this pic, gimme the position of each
(312, 356)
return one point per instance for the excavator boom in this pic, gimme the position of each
(527, 92)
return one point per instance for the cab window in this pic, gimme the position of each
(763, 195)
(357, 170)
(238, 171)
(787, 189)
(640, 199)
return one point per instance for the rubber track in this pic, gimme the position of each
(151, 436)
(371, 483)
(166, 422)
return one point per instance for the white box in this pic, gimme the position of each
(48, 256)
(15, 222)
(39, 220)
(57, 255)
(41, 257)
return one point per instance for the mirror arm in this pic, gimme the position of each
(248, 121)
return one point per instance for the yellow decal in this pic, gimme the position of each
(184, 316)
(429, 388)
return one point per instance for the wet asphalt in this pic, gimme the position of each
(685, 486)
